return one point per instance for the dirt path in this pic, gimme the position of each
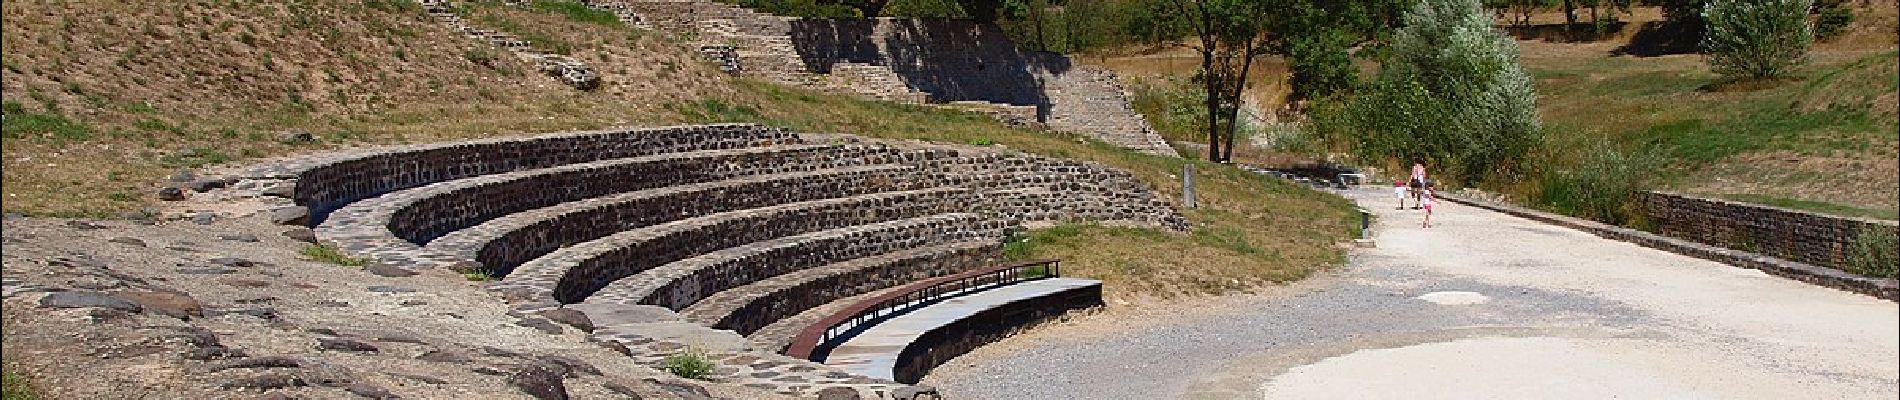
(1482, 305)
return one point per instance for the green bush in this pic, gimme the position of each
(691, 364)
(1756, 38)
(1322, 63)
(1451, 94)
(1874, 255)
(1602, 185)
(1833, 21)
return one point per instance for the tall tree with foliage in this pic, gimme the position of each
(1230, 34)
(1452, 94)
(1756, 38)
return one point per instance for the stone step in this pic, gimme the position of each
(679, 284)
(393, 226)
(570, 274)
(747, 308)
(503, 243)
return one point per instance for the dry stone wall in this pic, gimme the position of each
(1789, 234)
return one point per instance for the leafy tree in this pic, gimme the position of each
(1756, 38)
(1452, 94)
(1230, 35)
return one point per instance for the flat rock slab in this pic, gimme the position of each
(1455, 298)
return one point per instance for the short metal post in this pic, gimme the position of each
(1187, 185)
(1365, 224)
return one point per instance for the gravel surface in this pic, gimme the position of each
(1481, 305)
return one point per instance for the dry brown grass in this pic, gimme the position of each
(152, 79)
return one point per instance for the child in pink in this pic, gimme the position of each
(1426, 200)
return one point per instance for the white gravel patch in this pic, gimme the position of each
(1455, 298)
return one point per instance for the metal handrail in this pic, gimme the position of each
(915, 294)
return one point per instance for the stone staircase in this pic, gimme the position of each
(721, 238)
(567, 69)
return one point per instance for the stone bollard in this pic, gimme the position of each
(1187, 185)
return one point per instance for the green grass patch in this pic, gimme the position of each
(1874, 254)
(16, 387)
(478, 276)
(690, 364)
(579, 12)
(330, 254)
(22, 124)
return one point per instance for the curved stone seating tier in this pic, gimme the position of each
(569, 274)
(747, 308)
(503, 243)
(325, 184)
(679, 284)
(392, 226)
(458, 204)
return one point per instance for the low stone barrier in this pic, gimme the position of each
(1817, 239)
(1878, 287)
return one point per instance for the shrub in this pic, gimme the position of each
(1602, 185)
(330, 254)
(1322, 63)
(1756, 38)
(1874, 253)
(691, 364)
(1833, 21)
(1452, 94)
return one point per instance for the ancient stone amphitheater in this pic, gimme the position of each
(727, 239)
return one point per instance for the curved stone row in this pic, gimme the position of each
(390, 227)
(503, 243)
(327, 183)
(569, 274)
(679, 284)
(747, 308)
(463, 203)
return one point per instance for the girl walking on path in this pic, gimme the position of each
(1426, 201)
(1418, 182)
(1398, 190)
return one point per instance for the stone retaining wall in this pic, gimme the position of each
(1802, 236)
(1884, 288)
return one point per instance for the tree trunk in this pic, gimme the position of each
(1570, 14)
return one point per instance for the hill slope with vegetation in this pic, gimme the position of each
(92, 127)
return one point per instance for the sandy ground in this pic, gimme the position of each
(1481, 305)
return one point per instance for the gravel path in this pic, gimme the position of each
(1481, 305)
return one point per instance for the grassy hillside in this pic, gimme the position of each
(104, 99)
(1824, 140)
